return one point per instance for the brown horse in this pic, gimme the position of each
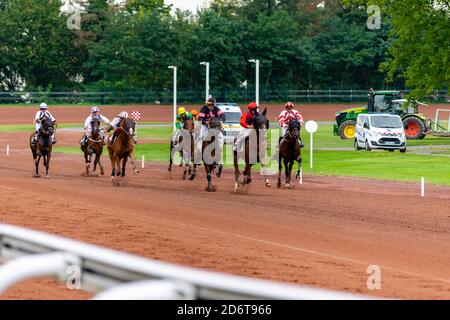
(211, 158)
(94, 145)
(253, 152)
(43, 147)
(121, 149)
(186, 146)
(290, 151)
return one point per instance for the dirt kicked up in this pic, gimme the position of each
(325, 233)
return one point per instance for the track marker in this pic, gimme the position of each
(301, 176)
(143, 162)
(422, 187)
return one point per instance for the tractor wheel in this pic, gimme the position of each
(347, 130)
(414, 128)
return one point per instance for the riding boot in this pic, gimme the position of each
(83, 140)
(302, 145)
(113, 138)
(53, 139)
(35, 138)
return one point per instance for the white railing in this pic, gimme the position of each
(115, 275)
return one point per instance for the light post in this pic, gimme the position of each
(174, 96)
(256, 62)
(207, 78)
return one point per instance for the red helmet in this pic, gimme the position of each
(252, 106)
(289, 105)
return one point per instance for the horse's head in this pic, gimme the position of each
(188, 124)
(214, 123)
(95, 123)
(294, 129)
(128, 125)
(48, 127)
(261, 121)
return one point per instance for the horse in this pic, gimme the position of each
(261, 125)
(212, 162)
(43, 147)
(123, 147)
(94, 145)
(186, 146)
(290, 151)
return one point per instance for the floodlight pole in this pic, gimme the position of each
(256, 62)
(207, 78)
(174, 96)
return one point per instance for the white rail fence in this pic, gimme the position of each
(115, 275)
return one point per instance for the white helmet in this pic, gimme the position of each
(95, 109)
(43, 106)
(123, 114)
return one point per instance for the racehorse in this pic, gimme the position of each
(290, 151)
(261, 125)
(211, 158)
(122, 148)
(186, 145)
(43, 147)
(94, 145)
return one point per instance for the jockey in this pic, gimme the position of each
(208, 111)
(182, 116)
(247, 121)
(114, 124)
(194, 114)
(286, 116)
(40, 115)
(95, 113)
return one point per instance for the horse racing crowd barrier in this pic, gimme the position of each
(114, 275)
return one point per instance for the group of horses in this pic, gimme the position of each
(119, 152)
(289, 153)
(123, 149)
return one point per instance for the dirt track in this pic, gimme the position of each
(324, 233)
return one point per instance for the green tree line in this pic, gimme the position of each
(301, 45)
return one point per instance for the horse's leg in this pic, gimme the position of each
(124, 165)
(210, 188)
(97, 158)
(37, 160)
(236, 171)
(87, 157)
(47, 164)
(280, 169)
(288, 167)
(248, 173)
(298, 176)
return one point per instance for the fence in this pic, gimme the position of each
(116, 275)
(187, 96)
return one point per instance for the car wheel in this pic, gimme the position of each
(357, 147)
(367, 148)
(403, 150)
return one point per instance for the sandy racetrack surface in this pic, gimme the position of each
(324, 233)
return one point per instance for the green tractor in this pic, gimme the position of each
(415, 123)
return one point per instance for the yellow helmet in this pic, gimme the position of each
(181, 111)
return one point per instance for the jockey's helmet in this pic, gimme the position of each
(211, 102)
(181, 111)
(95, 109)
(123, 115)
(194, 113)
(252, 106)
(289, 105)
(43, 106)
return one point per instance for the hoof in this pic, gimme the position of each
(279, 184)
(135, 172)
(47, 176)
(37, 176)
(102, 173)
(192, 177)
(212, 189)
(236, 187)
(288, 186)
(268, 184)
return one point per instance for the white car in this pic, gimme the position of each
(380, 131)
(232, 125)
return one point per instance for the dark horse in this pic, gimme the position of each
(211, 158)
(94, 145)
(259, 147)
(121, 149)
(186, 145)
(43, 147)
(290, 151)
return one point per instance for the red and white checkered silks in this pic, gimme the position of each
(136, 115)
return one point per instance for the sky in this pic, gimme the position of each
(187, 4)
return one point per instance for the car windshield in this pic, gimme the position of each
(232, 117)
(386, 122)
